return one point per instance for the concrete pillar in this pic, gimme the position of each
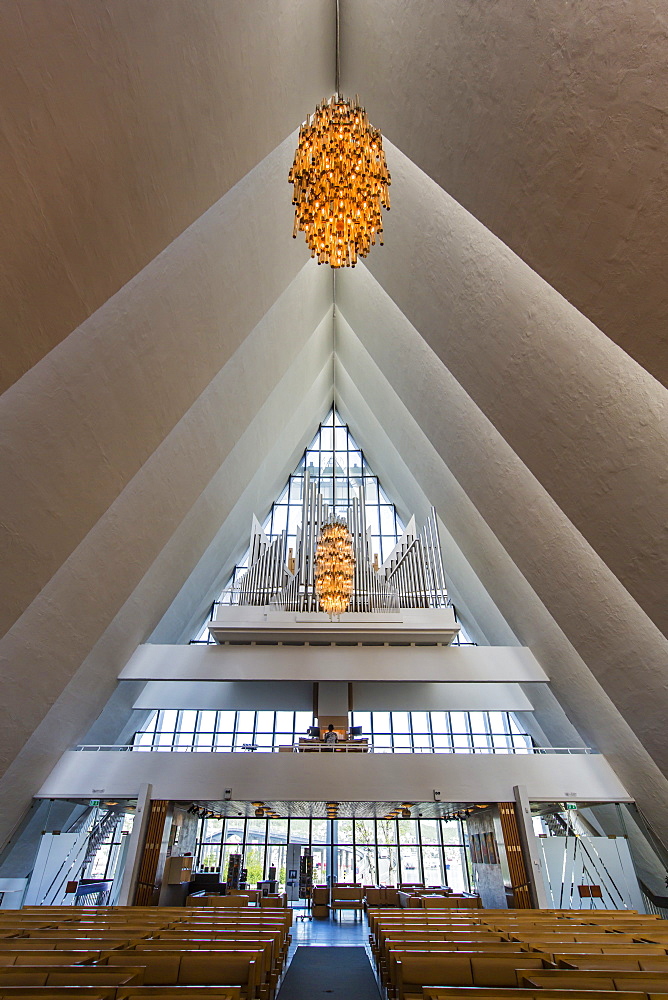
(532, 861)
(137, 837)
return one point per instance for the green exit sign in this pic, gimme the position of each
(571, 805)
(93, 803)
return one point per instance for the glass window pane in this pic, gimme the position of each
(343, 832)
(451, 832)
(388, 865)
(498, 722)
(302, 721)
(459, 722)
(299, 831)
(362, 719)
(408, 833)
(478, 722)
(387, 520)
(243, 739)
(455, 866)
(320, 831)
(365, 864)
(320, 864)
(234, 829)
(382, 742)
(207, 722)
(429, 831)
(365, 831)
(256, 830)
(265, 722)
(204, 741)
(440, 722)
(187, 721)
(276, 854)
(167, 721)
(278, 831)
(296, 489)
(503, 744)
(400, 722)
(410, 864)
(420, 722)
(254, 864)
(225, 722)
(522, 744)
(284, 722)
(481, 742)
(245, 721)
(442, 742)
(223, 742)
(370, 490)
(387, 831)
(381, 722)
(183, 741)
(209, 855)
(279, 519)
(346, 871)
(326, 438)
(432, 866)
(402, 742)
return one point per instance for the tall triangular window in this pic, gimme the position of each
(340, 471)
(338, 468)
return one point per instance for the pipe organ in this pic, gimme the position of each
(411, 577)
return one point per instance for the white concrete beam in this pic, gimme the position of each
(342, 777)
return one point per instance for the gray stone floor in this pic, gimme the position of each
(346, 929)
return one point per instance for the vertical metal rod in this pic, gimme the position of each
(338, 67)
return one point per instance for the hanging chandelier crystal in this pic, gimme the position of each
(341, 181)
(334, 568)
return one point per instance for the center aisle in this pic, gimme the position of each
(338, 973)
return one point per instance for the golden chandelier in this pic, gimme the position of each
(340, 180)
(334, 568)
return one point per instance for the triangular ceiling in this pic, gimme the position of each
(169, 346)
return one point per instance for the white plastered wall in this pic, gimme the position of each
(544, 119)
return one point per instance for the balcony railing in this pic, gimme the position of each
(329, 748)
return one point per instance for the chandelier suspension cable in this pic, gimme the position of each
(334, 337)
(338, 64)
(340, 178)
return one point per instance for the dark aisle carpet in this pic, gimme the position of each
(317, 973)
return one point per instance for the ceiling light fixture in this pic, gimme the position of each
(340, 179)
(334, 568)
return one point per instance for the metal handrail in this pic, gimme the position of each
(124, 747)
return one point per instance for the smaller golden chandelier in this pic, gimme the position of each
(340, 180)
(334, 568)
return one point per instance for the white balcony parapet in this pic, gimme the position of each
(471, 664)
(375, 777)
(421, 626)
